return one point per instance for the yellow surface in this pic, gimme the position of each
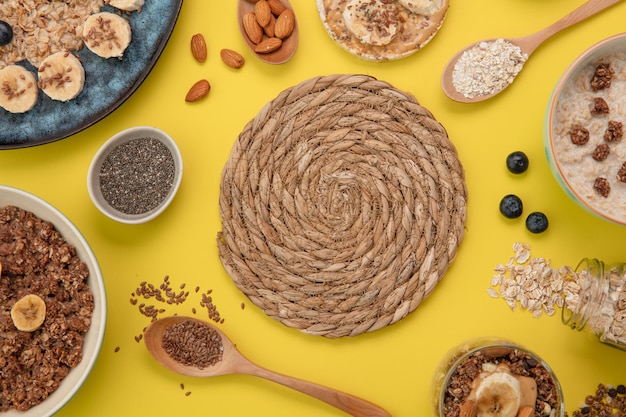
(391, 367)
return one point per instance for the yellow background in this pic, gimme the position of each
(392, 367)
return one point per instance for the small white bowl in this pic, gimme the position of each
(570, 103)
(95, 335)
(121, 138)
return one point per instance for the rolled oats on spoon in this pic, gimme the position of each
(485, 68)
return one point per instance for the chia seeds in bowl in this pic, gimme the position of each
(135, 175)
(458, 378)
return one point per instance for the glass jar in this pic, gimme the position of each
(453, 378)
(595, 300)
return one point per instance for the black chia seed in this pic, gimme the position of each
(137, 176)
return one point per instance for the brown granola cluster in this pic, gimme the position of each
(608, 401)
(520, 363)
(37, 260)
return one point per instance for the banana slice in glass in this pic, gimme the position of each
(107, 34)
(18, 89)
(28, 313)
(61, 76)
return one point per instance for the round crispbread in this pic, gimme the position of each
(414, 31)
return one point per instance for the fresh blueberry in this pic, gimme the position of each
(517, 162)
(6, 33)
(536, 222)
(511, 206)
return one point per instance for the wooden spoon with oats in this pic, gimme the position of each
(161, 334)
(485, 68)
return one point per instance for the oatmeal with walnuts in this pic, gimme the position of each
(56, 27)
(37, 262)
(588, 130)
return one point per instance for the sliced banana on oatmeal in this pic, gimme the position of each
(61, 76)
(126, 5)
(28, 313)
(107, 34)
(373, 22)
(423, 7)
(18, 89)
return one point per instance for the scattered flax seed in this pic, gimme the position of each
(182, 386)
(243, 306)
(188, 393)
(117, 349)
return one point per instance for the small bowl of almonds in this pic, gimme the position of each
(135, 175)
(487, 374)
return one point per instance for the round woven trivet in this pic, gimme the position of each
(343, 203)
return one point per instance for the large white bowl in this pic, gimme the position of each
(94, 336)
(581, 191)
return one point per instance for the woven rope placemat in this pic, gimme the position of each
(343, 203)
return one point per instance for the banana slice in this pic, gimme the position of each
(373, 22)
(498, 395)
(423, 7)
(18, 89)
(126, 5)
(107, 34)
(61, 76)
(28, 313)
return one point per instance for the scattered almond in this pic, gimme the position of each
(232, 59)
(285, 23)
(197, 91)
(268, 45)
(198, 47)
(262, 12)
(252, 28)
(276, 7)
(468, 409)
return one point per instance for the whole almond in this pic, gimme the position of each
(526, 411)
(252, 28)
(268, 45)
(285, 23)
(262, 12)
(276, 7)
(496, 351)
(198, 91)
(198, 47)
(232, 59)
(468, 409)
(269, 29)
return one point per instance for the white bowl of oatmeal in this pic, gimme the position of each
(43, 254)
(584, 126)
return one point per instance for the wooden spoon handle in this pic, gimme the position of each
(352, 405)
(586, 10)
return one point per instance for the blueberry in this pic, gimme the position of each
(6, 33)
(511, 206)
(536, 222)
(517, 162)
